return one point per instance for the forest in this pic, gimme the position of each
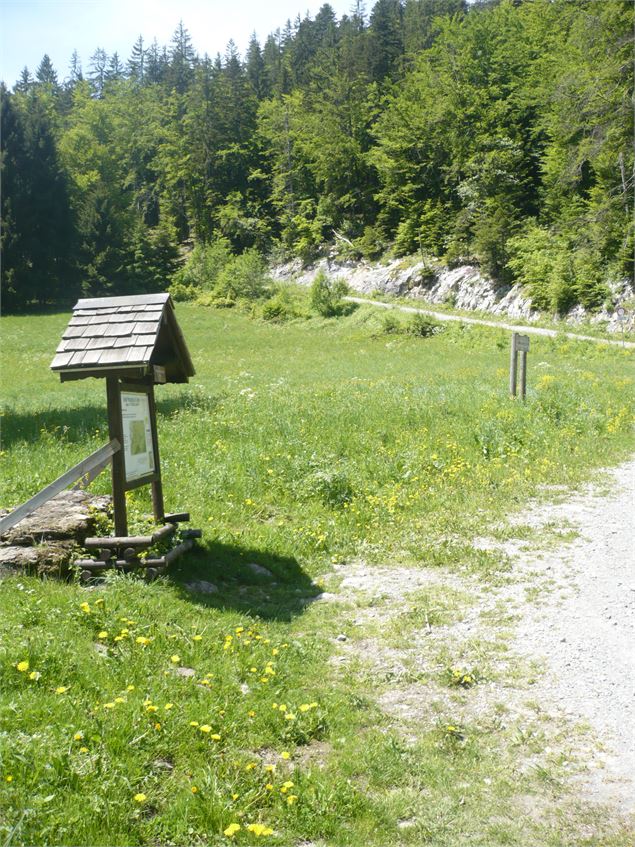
(497, 132)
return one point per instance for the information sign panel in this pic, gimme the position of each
(137, 435)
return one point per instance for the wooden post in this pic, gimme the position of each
(157, 486)
(513, 363)
(523, 374)
(115, 429)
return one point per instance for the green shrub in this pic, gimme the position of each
(423, 326)
(201, 269)
(181, 292)
(327, 296)
(391, 325)
(243, 277)
(288, 301)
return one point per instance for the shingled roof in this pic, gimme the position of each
(123, 335)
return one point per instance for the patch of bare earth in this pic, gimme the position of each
(553, 645)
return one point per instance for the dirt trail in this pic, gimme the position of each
(584, 627)
(569, 607)
(532, 330)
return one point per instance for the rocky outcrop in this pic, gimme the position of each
(464, 287)
(48, 540)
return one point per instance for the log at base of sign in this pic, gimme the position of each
(122, 553)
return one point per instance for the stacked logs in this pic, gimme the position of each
(122, 552)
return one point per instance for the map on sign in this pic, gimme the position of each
(137, 435)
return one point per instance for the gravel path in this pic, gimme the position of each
(573, 607)
(532, 330)
(584, 627)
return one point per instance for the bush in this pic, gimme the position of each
(390, 325)
(242, 277)
(201, 269)
(327, 296)
(287, 302)
(423, 326)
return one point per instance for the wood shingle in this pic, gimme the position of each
(126, 336)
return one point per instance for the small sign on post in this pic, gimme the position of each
(520, 344)
(621, 316)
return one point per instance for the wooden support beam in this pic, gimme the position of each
(139, 541)
(115, 428)
(99, 458)
(157, 485)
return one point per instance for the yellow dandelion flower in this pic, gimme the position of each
(250, 766)
(231, 830)
(157, 726)
(205, 728)
(140, 798)
(8, 778)
(215, 736)
(197, 638)
(61, 689)
(85, 608)
(289, 716)
(103, 634)
(78, 736)
(130, 688)
(141, 639)
(282, 707)
(291, 799)
(304, 707)
(235, 796)
(175, 659)
(193, 723)
(120, 699)
(83, 749)
(285, 755)
(275, 651)
(269, 786)
(270, 768)
(152, 708)
(109, 705)
(194, 789)
(35, 675)
(168, 706)
(251, 713)
(23, 666)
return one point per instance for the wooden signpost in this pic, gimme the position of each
(520, 344)
(133, 343)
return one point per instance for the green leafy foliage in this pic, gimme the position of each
(327, 295)
(469, 132)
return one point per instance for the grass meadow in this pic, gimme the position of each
(135, 713)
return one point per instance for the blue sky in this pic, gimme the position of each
(30, 28)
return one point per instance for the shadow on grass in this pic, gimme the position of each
(281, 592)
(73, 425)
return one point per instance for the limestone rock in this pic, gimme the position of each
(259, 570)
(200, 586)
(69, 515)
